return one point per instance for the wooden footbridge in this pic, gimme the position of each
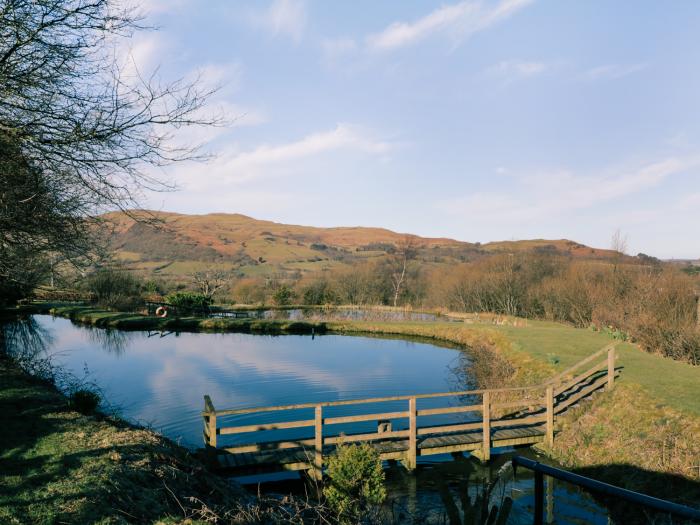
(477, 422)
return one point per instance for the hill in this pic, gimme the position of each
(173, 245)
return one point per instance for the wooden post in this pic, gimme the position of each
(211, 421)
(611, 367)
(318, 443)
(412, 441)
(486, 452)
(539, 497)
(549, 403)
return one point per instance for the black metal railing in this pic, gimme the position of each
(541, 470)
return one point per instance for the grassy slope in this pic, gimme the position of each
(59, 466)
(672, 382)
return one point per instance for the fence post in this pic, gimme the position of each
(210, 423)
(318, 443)
(611, 367)
(486, 452)
(549, 402)
(412, 441)
(539, 498)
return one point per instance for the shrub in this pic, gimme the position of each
(188, 300)
(283, 295)
(356, 482)
(84, 401)
(114, 288)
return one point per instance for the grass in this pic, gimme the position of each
(59, 466)
(642, 436)
(673, 383)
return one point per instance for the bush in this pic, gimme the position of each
(188, 300)
(84, 401)
(283, 296)
(113, 288)
(356, 482)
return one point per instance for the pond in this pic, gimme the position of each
(159, 379)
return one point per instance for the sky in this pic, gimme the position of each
(476, 120)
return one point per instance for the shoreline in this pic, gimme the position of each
(650, 453)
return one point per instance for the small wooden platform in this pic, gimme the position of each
(249, 463)
(508, 417)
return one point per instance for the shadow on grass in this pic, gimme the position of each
(57, 466)
(671, 487)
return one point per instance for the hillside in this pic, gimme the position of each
(173, 245)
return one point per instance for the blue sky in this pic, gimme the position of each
(476, 120)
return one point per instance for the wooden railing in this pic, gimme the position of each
(538, 406)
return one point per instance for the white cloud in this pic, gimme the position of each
(233, 166)
(509, 70)
(283, 18)
(459, 21)
(550, 195)
(690, 202)
(613, 71)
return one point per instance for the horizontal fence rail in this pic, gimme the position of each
(500, 417)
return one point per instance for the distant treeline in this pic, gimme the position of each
(651, 303)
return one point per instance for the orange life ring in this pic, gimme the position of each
(161, 311)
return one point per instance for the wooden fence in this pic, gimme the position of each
(504, 417)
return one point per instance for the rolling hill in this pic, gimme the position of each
(173, 245)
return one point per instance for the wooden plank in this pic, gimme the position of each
(268, 445)
(611, 363)
(449, 410)
(208, 405)
(372, 436)
(364, 417)
(266, 426)
(549, 402)
(318, 443)
(373, 400)
(422, 431)
(412, 433)
(487, 426)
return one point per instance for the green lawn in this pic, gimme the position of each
(672, 382)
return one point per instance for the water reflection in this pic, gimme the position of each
(160, 378)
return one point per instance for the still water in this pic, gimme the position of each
(159, 379)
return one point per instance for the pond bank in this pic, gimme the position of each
(59, 466)
(643, 436)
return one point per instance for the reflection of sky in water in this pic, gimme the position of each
(161, 380)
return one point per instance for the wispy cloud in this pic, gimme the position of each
(613, 71)
(548, 195)
(283, 18)
(510, 70)
(459, 21)
(233, 166)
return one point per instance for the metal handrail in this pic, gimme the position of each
(540, 470)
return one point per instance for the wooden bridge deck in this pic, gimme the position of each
(509, 417)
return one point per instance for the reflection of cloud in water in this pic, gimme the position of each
(163, 380)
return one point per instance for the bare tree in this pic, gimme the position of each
(619, 242)
(211, 281)
(79, 126)
(406, 251)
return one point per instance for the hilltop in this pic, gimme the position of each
(173, 245)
